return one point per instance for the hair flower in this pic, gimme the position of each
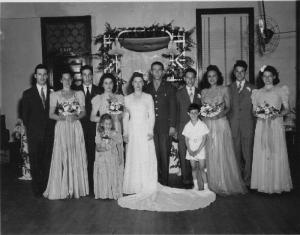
(262, 69)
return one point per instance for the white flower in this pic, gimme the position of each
(262, 69)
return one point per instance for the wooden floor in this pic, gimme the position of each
(252, 213)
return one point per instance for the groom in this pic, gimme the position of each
(164, 98)
(241, 118)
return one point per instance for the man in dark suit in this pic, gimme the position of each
(184, 97)
(35, 116)
(241, 119)
(164, 98)
(89, 127)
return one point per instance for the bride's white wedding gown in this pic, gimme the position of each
(140, 177)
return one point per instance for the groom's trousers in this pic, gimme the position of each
(162, 142)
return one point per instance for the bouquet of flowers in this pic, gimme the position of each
(105, 137)
(208, 110)
(266, 111)
(69, 108)
(114, 106)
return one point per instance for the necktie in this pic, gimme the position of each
(191, 95)
(88, 94)
(239, 86)
(88, 104)
(43, 97)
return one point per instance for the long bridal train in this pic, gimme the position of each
(168, 199)
(140, 177)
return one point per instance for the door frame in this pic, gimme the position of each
(216, 11)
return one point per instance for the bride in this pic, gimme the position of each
(140, 177)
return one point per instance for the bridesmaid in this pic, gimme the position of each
(100, 103)
(270, 167)
(68, 173)
(224, 176)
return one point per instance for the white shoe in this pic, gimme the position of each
(195, 188)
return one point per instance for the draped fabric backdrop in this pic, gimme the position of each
(224, 40)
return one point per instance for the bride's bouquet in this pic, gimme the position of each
(208, 110)
(69, 108)
(266, 111)
(114, 106)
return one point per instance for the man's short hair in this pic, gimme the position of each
(190, 70)
(40, 66)
(240, 63)
(194, 106)
(157, 63)
(86, 67)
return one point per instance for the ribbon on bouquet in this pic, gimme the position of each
(267, 137)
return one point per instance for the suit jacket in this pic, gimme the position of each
(88, 105)
(240, 115)
(183, 102)
(34, 115)
(164, 106)
(89, 127)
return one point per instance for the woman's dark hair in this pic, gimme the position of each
(109, 76)
(204, 82)
(66, 71)
(130, 88)
(260, 82)
(104, 117)
(194, 106)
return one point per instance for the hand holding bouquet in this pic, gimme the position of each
(266, 111)
(210, 111)
(69, 108)
(114, 106)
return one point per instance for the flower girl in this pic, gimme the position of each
(108, 166)
(195, 132)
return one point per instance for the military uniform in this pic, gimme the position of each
(165, 117)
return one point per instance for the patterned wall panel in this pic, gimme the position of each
(65, 40)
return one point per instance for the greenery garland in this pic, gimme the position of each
(107, 62)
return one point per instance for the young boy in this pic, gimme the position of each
(195, 132)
